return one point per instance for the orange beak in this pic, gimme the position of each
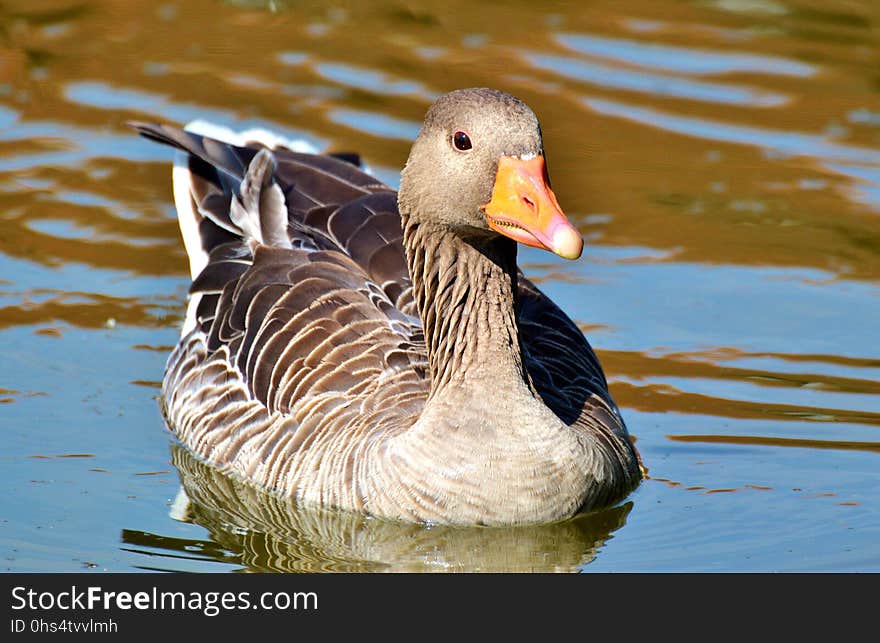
(524, 208)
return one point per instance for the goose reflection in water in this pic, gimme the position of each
(265, 533)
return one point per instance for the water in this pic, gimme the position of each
(722, 159)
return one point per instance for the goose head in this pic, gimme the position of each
(477, 167)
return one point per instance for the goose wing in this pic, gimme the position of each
(562, 364)
(304, 283)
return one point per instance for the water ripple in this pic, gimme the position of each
(656, 84)
(683, 60)
(860, 163)
(375, 123)
(372, 80)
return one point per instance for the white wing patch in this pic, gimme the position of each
(255, 135)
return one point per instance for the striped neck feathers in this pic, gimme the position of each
(465, 290)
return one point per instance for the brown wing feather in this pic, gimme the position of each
(563, 366)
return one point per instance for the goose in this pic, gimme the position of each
(353, 347)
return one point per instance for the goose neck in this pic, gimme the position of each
(465, 290)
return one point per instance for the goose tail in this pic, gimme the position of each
(223, 192)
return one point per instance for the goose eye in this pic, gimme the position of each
(461, 141)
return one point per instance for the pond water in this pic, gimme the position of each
(721, 157)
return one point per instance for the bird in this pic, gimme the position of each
(351, 346)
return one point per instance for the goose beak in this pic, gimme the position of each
(524, 208)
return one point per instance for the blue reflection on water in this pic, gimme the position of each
(657, 84)
(371, 80)
(375, 123)
(686, 60)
